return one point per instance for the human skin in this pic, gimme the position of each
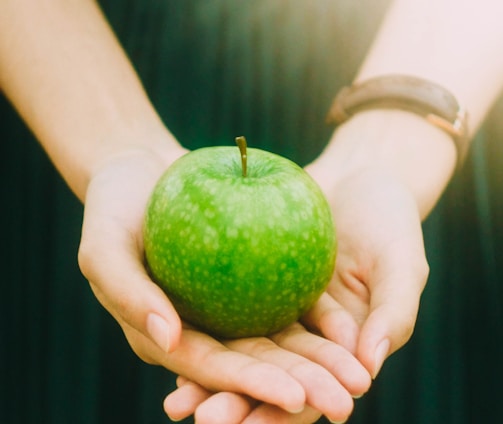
(84, 102)
(65, 73)
(383, 171)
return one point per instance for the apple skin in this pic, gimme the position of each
(239, 256)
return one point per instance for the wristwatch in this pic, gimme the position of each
(425, 98)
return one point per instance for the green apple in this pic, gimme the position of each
(242, 244)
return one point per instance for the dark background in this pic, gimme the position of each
(216, 69)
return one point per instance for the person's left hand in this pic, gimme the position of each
(371, 303)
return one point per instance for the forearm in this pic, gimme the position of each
(455, 44)
(64, 71)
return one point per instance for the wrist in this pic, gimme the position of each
(157, 146)
(394, 143)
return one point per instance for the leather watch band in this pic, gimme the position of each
(425, 98)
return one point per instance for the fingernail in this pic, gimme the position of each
(295, 410)
(158, 329)
(380, 354)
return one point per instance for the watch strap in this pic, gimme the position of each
(425, 98)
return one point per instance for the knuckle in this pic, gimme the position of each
(138, 347)
(86, 258)
(119, 301)
(423, 270)
(407, 328)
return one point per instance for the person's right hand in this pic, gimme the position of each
(371, 304)
(277, 371)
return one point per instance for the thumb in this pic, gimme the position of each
(390, 323)
(110, 259)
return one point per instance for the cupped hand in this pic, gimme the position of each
(111, 247)
(274, 371)
(372, 302)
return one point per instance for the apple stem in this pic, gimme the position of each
(241, 142)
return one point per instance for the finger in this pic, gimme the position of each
(333, 321)
(184, 401)
(192, 399)
(204, 360)
(331, 356)
(201, 358)
(224, 408)
(323, 391)
(217, 369)
(180, 381)
(393, 314)
(109, 258)
(265, 413)
(111, 250)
